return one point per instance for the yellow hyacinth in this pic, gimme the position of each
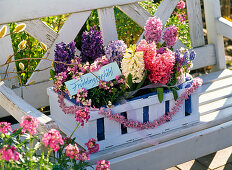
(133, 63)
(22, 45)
(19, 28)
(3, 31)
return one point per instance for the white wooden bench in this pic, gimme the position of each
(154, 152)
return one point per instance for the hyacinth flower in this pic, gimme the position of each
(64, 53)
(153, 30)
(92, 45)
(115, 51)
(170, 36)
(133, 64)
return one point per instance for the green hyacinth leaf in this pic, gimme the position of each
(160, 92)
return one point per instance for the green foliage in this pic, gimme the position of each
(127, 29)
(33, 50)
(184, 34)
(160, 92)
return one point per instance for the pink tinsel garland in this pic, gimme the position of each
(131, 123)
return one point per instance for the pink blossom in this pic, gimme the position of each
(182, 18)
(149, 52)
(82, 156)
(29, 124)
(5, 127)
(71, 151)
(92, 146)
(170, 36)
(102, 165)
(180, 5)
(82, 115)
(9, 152)
(153, 29)
(52, 139)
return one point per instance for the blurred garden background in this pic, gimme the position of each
(127, 30)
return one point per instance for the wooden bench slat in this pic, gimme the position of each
(40, 31)
(68, 32)
(195, 23)
(32, 9)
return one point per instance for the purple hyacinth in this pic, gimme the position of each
(92, 45)
(64, 53)
(115, 51)
(177, 56)
(170, 36)
(161, 50)
(185, 57)
(192, 55)
(153, 29)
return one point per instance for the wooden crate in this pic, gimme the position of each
(110, 133)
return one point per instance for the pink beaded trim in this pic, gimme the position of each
(197, 82)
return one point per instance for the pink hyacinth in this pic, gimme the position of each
(92, 146)
(102, 165)
(170, 36)
(161, 67)
(29, 124)
(180, 5)
(71, 151)
(5, 127)
(153, 29)
(52, 139)
(9, 153)
(149, 52)
(82, 115)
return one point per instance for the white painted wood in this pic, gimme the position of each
(40, 31)
(215, 76)
(207, 121)
(134, 110)
(220, 84)
(156, 111)
(6, 50)
(136, 13)
(36, 9)
(107, 24)
(165, 9)
(212, 12)
(224, 27)
(195, 23)
(155, 157)
(178, 45)
(216, 105)
(17, 107)
(67, 33)
(136, 115)
(112, 129)
(205, 57)
(35, 95)
(212, 96)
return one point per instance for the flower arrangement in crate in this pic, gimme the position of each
(119, 87)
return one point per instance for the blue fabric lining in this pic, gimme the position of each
(123, 128)
(145, 114)
(100, 129)
(166, 107)
(188, 106)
